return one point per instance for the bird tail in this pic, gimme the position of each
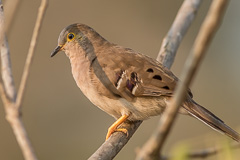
(210, 119)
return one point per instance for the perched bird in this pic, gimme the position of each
(124, 83)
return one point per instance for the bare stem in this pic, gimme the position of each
(13, 117)
(7, 88)
(154, 145)
(172, 40)
(110, 148)
(210, 151)
(204, 153)
(7, 76)
(8, 92)
(41, 12)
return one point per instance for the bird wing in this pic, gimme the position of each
(135, 75)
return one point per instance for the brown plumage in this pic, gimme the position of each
(124, 83)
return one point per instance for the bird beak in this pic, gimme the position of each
(56, 50)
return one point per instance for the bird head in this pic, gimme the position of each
(76, 37)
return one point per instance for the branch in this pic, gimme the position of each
(12, 102)
(110, 148)
(41, 12)
(172, 40)
(210, 25)
(7, 77)
(210, 151)
(13, 117)
(8, 91)
(204, 153)
(187, 12)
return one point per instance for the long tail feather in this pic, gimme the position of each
(210, 119)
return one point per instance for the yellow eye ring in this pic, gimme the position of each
(70, 36)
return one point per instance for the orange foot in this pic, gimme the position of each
(113, 128)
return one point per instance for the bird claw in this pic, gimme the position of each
(111, 131)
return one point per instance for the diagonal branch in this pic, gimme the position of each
(210, 25)
(187, 12)
(6, 71)
(41, 12)
(110, 148)
(172, 40)
(210, 151)
(204, 153)
(8, 91)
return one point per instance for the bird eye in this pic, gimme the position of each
(70, 36)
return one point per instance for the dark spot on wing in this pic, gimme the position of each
(166, 87)
(158, 77)
(150, 70)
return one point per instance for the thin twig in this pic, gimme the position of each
(2, 93)
(5, 63)
(13, 117)
(204, 153)
(7, 89)
(41, 12)
(154, 145)
(172, 40)
(7, 77)
(8, 95)
(116, 138)
(210, 151)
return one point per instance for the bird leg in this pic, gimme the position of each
(113, 128)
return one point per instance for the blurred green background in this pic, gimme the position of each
(63, 124)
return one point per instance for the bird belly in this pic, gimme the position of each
(144, 107)
(141, 109)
